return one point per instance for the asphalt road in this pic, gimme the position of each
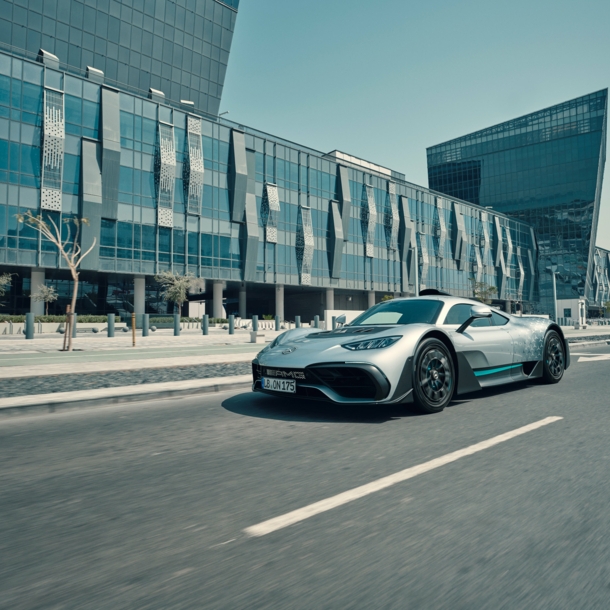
(145, 506)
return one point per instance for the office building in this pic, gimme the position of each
(273, 227)
(546, 169)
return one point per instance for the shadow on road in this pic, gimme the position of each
(300, 409)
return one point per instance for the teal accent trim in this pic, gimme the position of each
(498, 370)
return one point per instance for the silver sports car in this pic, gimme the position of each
(423, 350)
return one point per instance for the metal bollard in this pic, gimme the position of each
(145, 321)
(277, 322)
(29, 325)
(205, 324)
(255, 323)
(111, 325)
(334, 322)
(133, 329)
(297, 321)
(176, 325)
(231, 324)
(316, 321)
(74, 320)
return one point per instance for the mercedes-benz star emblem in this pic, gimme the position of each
(288, 350)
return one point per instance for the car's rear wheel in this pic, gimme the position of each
(553, 363)
(433, 376)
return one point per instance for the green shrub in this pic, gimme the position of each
(268, 317)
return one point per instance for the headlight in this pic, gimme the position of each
(372, 343)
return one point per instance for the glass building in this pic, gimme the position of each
(178, 47)
(545, 168)
(272, 227)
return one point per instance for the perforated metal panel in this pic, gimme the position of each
(368, 219)
(53, 138)
(304, 244)
(165, 217)
(390, 218)
(270, 211)
(165, 167)
(192, 168)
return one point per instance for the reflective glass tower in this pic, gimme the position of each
(179, 47)
(545, 168)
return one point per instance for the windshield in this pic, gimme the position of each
(408, 311)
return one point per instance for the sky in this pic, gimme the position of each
(383, 80)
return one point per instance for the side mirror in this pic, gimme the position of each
(476, 312)
(340, 319)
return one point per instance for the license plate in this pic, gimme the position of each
(280, 385)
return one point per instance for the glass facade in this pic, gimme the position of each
(167, 186)
(178, 47)
(545, 168)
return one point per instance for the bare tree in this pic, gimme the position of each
(68, 248)
(46, 294)
(5, 284)
(483, 292)
(175, 288)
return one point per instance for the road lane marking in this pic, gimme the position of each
(295, 516)
(594, 358)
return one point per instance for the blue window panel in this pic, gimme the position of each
(165, 236)
(30, 160)
(32, 98)
(71, 168)
(108, 233)
(127, 125)
(124, 235)
(14, 156)
(206, 246)
(149, 132)
(149, 237)
(5, 90)
(179, 239)
(126, 179)
(73, 108)
(3, 155)
(223, 153)
(16, 93)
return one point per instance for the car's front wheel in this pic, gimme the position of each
(553, 364)
(433, 376)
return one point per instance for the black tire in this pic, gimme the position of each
(554, 358)
(433, 376)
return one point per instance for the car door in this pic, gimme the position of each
(487, 347)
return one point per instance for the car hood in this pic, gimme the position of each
(301, 347)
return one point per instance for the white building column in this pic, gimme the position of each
(279, 301)
(242, 301)
(36, 281)
(371, 298)
(330, 299)
(217, 308)
(139, 294)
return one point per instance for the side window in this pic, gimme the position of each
(458, 314)
(481, 322)
(497, 319)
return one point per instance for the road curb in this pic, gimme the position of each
(44, 404)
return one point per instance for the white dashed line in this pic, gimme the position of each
(295, 516)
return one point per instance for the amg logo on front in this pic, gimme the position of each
(286, 374)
